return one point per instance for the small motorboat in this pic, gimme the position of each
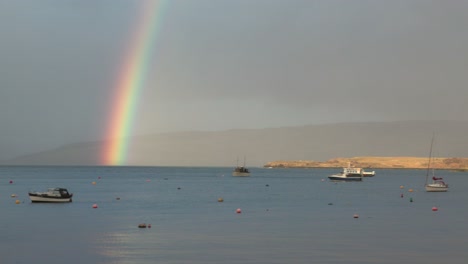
(52, 195)
(368, 173)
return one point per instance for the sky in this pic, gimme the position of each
(228, 64)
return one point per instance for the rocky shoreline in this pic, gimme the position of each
(377, 163)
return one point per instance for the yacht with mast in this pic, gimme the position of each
(437, 184)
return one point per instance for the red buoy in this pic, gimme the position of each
(238, 211)
(435, 209)
(94, 205)
(355, 216)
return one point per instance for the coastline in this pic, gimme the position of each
(452, 163)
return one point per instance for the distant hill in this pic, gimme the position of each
(377, 163)
(260, 146)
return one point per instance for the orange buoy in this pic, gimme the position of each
(93, 183)
(401, 187)
(17, 201)
(238, 211)
(220, 200)
(410, 190)
(435, 209)
(94, 205)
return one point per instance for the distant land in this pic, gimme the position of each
(322, 142)
(377, 163)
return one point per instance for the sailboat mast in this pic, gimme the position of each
(430, 159)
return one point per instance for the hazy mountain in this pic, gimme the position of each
(259, 146)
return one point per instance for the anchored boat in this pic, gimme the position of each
(348, 174)
(52, 195)
(437, 184)
(241, 171)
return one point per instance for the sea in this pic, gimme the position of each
(205, 215)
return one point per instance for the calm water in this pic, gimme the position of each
(288, 216)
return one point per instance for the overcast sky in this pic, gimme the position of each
(223, 64)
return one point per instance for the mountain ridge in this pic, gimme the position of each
(260, 146)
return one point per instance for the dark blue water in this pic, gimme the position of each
(288, 216)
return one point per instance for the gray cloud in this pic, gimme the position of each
(229, 64)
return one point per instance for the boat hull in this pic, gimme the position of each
(41, 199)
(241, 174)
(344, 178)
(436, 188)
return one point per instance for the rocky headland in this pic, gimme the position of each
(376, 162)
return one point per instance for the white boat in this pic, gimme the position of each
(52, 195)
(368, 173)
(348, 174)
(437, 184)
(241, 171)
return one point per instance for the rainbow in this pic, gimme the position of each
(130, 83)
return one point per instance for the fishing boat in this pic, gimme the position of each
(437, 184)
(348, 174)
(240, 171)
(52, 195)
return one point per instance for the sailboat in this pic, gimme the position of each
(241, 171)
(437, 184)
